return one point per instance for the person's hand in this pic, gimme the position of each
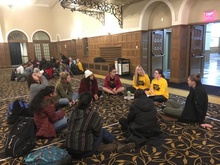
(206, 125)
(114, 91)
(96, 97)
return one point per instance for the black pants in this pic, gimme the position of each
(158, 98)
(124, 124)
(132, 89)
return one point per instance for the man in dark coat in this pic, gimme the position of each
(141, 122)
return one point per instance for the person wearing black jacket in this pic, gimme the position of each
(141, 122)
(195, 108)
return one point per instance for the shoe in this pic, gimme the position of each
(168, 118)
(125, 147)
(107, 147)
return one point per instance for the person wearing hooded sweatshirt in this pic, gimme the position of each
(141, 122)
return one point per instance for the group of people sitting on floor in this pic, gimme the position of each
(85, 134)
(49, 68)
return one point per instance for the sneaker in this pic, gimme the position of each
(125, 147)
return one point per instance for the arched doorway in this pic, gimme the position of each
(158, 19)
(41, 42)
(17, 42)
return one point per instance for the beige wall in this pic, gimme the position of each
(68, 25)
(198, 8)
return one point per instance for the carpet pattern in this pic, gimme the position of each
(181, 144)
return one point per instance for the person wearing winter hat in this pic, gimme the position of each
(89, 84)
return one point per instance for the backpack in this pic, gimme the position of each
(17, 109)
(49, 155)
(13, 74)
(21, 138)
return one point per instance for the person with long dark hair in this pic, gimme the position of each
(158, 88)
(89, 84)
(85, 133)
(48, 121)
(112, 83)
(195, 108)
(36, 81)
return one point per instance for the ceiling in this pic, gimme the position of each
(51, 3)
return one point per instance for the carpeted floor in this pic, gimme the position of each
(180, 144)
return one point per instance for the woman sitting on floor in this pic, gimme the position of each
(85, 134)
(141, 122)
(158, 88)
(195, 108)
(64, 90)
(112, 83)
(140, 80)
(36, 81)
(48, 121)
(89, 84)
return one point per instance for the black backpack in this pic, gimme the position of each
(16, 110)
(13, 74)
(21, 138)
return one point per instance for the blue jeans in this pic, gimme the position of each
(60, 124)
(65, 101)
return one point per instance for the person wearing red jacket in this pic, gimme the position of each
(112, 83)
(48, 121)
(89, 84)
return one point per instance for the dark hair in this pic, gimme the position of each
(138, 93)
(36, 103)
(160, 71)
(196, 78)
(84, 100)
(31, 80)
(111, 68)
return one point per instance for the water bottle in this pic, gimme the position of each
(128, 95)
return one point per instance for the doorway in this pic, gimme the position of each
(211, 71)
(160, 51)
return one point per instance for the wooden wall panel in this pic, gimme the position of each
(5, 60)
(179, 53)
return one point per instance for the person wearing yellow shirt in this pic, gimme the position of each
(79, 64)
(159, 88)
(140, 80)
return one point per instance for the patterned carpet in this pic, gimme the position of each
(182, 143)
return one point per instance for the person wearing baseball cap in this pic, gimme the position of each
(89, 84)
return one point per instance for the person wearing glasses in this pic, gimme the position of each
(89, 84)
(140, 80)
(158, 88)
(112, 83)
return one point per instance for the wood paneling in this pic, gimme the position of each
(179, 53)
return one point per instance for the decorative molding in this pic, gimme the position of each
(94, 9)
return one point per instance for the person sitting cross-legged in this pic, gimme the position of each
(85, 133)
(141, 122)
(112, 83)
(89, 84)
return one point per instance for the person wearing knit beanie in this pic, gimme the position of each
(89, 84)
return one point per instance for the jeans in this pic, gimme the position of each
(105, 137)
(60, 124)
(65, 101)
